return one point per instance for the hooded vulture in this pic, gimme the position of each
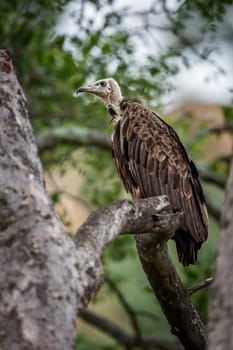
(152, 161)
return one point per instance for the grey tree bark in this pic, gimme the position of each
(38, 278)
(45, 277)
(220, 335)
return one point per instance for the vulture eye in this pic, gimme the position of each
(103, 83)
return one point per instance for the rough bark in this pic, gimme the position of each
(38, 277)
(125, 216)
(220, 335)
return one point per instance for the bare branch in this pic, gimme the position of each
(228, 127)
(213, 210)
(72, 136)
(211, 177)
(147, 314)
(127, 216)
(60, 191)
(124, 216)
(130, 311)
(172, 295)
(224, 158)
(200, 285)
(125, 338)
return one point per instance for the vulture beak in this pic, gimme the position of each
(87, 88)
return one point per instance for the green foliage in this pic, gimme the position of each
(121, 248)
(51, 65)
(101, 185)
(228, 114)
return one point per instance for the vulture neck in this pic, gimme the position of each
(114, 109)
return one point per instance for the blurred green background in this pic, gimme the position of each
(148, 48)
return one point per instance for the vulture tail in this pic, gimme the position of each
(186, 247)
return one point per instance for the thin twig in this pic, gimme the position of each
(213, 210)
(73, 136)
(227, 127)
(130, 311)
(211, 177)
(125, 338)
(200, 285)
(224, 158)
(62, 191)
(147, 314)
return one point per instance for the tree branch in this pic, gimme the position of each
(200, 285)
(72, 136)
(147, 314)
(224, 128)
(124, 216)
(211, 177)
(172, 295)
(228, 127)
(130, 311)
(125, 338)
(213, 210)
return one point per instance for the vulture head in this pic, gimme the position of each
(107, 90)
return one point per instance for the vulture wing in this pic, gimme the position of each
(151, 161)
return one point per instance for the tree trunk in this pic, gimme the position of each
(220, 335)
(38, 292)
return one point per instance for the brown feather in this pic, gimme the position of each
(151, 160)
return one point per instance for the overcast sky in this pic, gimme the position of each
(197, 83)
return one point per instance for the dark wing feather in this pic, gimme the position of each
(151, 160)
